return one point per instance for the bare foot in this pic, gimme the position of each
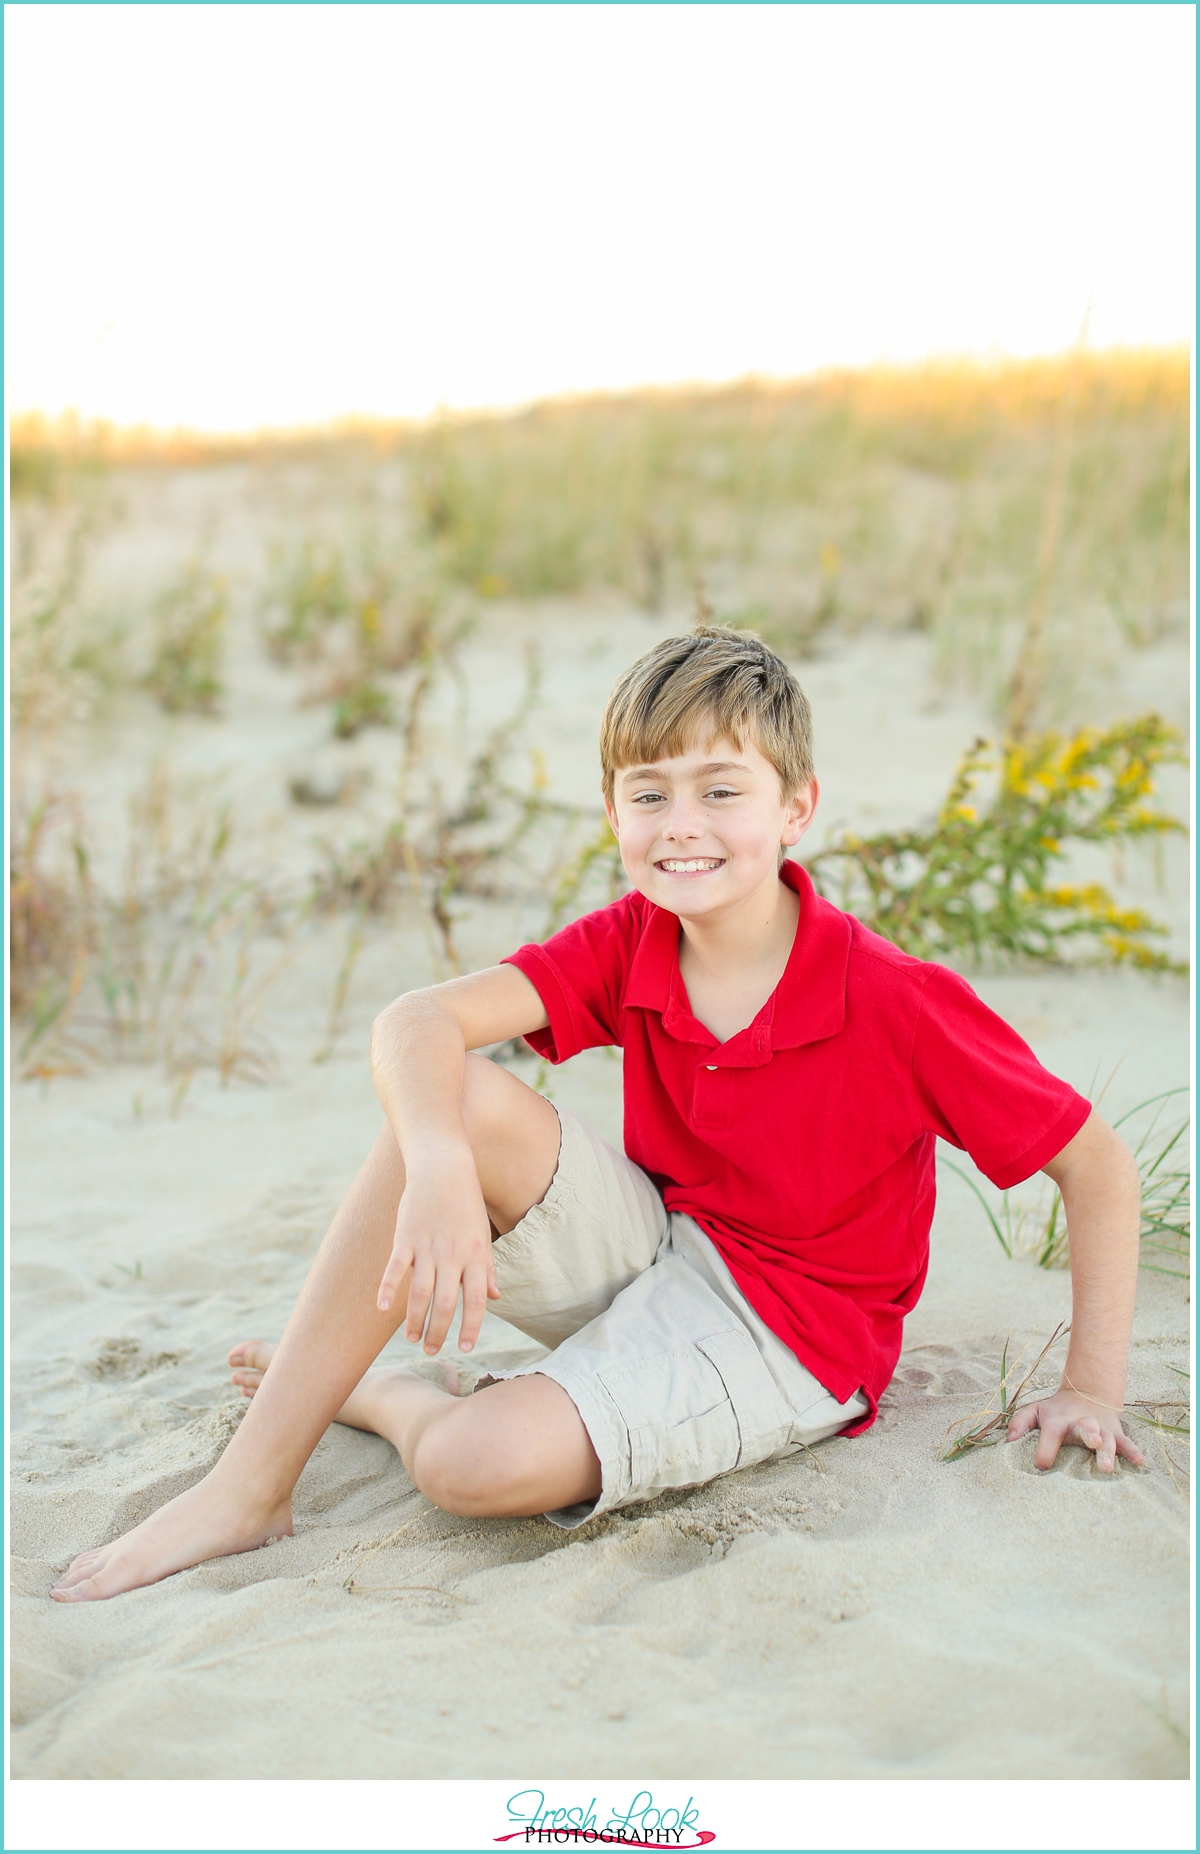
(367, 1403)
(208, 1521)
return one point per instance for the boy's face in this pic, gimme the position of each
(701, 832)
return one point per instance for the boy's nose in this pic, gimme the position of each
(684, 819)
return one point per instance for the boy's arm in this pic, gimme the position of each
(1098, 1178)
(418, 1049)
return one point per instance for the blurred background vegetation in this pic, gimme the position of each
(1030, 519)
(1038, 505)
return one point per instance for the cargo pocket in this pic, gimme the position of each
(763, 1419)
(695, 1414)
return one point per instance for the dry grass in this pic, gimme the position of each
(164, 956)
(189, 634)
(1165, 1417)
(984, 1428)
(1032, 516)
(499, 834)
(66, 653)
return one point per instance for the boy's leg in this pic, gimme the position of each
(334, 1334)
(514, 1449)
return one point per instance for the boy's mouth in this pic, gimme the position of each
(690, 865)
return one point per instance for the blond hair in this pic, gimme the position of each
(711, 684)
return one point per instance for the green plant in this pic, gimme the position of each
(1166, 1187)
(306, 592)
(595, 871)
(363, 705)
(189, 626)
(361, 610)
(980, 880)
(1167, 1416)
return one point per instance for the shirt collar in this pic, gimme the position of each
(808, 1004)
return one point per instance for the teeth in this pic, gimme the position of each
(692, 868)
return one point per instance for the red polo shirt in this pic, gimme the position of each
(804, 1146)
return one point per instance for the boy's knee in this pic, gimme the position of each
(452, 1467)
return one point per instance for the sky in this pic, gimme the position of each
(236, 216)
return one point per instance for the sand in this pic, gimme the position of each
(864, 1610)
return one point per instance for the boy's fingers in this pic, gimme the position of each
(1049, 1443)
(419, 1295)
(444, 1301)
(399, 1263)
(1131, 1451)
(475, 1286)
(1023, 1422)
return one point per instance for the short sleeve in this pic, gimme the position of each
(980, 1086)
(579, 975)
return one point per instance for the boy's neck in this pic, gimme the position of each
(757, 931)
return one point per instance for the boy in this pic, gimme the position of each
(735, 1287)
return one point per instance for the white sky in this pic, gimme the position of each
(236, 215)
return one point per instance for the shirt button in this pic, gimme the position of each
(711, 1067)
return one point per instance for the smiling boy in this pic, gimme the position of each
(733, 1286)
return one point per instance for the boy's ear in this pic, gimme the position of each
(611, 813)
(800, 813)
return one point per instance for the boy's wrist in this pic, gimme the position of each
(1095, 1387)
(432, 1150)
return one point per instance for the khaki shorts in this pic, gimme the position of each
(676, 1377)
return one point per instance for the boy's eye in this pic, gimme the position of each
(647, 798)
(721, 791)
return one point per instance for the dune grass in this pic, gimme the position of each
(984, 1428)
(1165, 1417)
(940, 498)
(165, 954)
(1160, 1147)
(185, 674)
(1032, 517)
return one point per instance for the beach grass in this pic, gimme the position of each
(984, 1428)
(1160, 1147)
(1031, 516)
(1165, 1417)
(165, 955)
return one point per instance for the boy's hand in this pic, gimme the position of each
(1068, 1417)
(444, 1235)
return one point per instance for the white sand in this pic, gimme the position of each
(863, 1611)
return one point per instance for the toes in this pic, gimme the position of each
(256, 1353)
(88, 1589)
(84, 1562)
(81, 1572)
(75, 1593)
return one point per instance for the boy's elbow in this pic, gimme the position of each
(389, 1024)
(396, 1019)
